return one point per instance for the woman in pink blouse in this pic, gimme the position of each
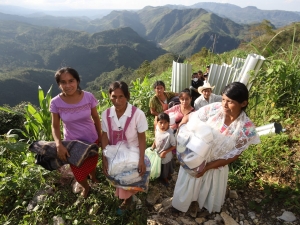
(177, 112)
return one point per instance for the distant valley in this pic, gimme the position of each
(33, 44)
(35, 51)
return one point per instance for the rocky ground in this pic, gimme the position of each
(238, 208)
(235, 211)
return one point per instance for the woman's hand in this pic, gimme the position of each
(62, 152)
(163, 154)
(201, 173)
(104, 166)
(216, 164)
(141, 167)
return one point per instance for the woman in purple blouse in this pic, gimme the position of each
(77, 111)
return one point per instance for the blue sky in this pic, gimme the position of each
(289, 5)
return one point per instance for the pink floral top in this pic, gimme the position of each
(242, 130)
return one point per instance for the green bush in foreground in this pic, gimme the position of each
(21, 179)
(271, 167)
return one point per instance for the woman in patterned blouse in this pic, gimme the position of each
(235, 131)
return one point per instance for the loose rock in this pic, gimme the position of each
(287, 216)
(228, 220)
(233, 194)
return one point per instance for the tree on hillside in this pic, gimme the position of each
(257, 30)
(144, 69)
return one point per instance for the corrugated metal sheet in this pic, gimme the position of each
(181, 76)
(239, 70)
(219, 75)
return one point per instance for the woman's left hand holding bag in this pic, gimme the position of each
(141, 167)
(62, 152)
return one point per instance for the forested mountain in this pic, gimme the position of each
(182, 31)
(25, 46)
(33, 47)
(249, 14)
(72, 23)
(172, 28)
(177, 28)
(21, 85)
(246, 15)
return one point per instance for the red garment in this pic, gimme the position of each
(81, 173)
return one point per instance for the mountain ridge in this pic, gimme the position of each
(28, 49)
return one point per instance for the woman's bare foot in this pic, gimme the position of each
(85, 192)
(126, 203)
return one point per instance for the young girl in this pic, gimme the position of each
(164, 144)
(184, 108)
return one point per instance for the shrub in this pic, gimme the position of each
(12, 120)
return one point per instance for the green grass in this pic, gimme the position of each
(272, 169)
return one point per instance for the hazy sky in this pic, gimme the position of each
(289, 5)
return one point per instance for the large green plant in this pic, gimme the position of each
(276, 88)
(38, 121)
(141, 92)
(104, 102)
(18, 173)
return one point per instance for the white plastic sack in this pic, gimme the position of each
(128, 177)
(121, 159)
(172, 118)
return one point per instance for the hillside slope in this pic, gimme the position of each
(24, 46)
(207, 30)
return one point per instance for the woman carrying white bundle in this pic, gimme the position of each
(124, 123)
(208, 187)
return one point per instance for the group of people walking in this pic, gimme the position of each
(123, 122)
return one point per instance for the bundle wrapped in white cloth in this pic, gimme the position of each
(193, 149)
(198, 143)
(123, 162)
